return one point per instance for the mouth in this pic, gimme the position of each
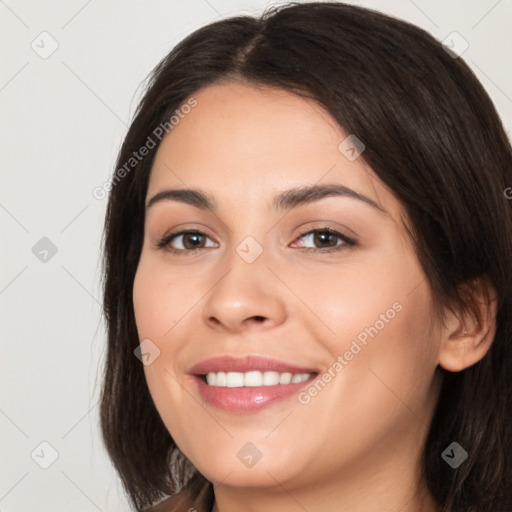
(244, 385)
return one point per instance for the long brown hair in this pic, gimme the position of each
(432, 135)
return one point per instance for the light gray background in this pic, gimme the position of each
(62, 122)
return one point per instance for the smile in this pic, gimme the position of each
(248, 383)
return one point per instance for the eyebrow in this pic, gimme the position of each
(283, 201)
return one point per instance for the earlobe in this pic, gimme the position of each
(467, 336)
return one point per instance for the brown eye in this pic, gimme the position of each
(187, 241)
(192, 240)
(326, 240)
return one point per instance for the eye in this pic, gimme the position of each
(327, 238)
(190, 241)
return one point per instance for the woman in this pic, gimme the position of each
(308, 246)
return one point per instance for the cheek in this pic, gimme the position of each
(163, 307)
(389, 357)
(365, 290)
(376, 314)
(159, 305)
(160, 301)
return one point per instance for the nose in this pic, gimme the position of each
(245, 296)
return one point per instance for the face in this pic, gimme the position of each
(234, 297)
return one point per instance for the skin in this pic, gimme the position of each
(356, 445)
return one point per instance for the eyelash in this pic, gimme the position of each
(164, 243)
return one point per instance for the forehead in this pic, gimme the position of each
(241, 139)
(253, 122)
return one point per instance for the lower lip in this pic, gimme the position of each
(247, 399)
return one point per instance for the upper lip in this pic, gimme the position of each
(246, 364)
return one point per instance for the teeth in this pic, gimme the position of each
(220, 380)
(254, 378)
(285, 378)
(270, 378)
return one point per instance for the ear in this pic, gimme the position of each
(468, 335)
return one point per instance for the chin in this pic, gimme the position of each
(247, 466)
